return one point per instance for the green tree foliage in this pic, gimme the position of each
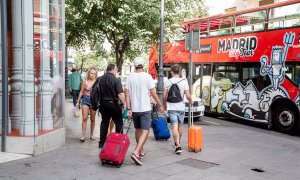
(131, 26)
(86, 61)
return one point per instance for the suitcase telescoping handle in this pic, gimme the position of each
(126, 118)
(130, 121)
(155, 112)
(191, 115)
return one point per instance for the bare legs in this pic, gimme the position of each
(85, 111)
(92, 117)
(180, 130)
(111, 126)
(177, 133)
(140, 137)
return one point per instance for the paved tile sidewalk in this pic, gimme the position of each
(6, 157)
(233, 149)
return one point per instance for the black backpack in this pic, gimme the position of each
(95, 94)
(174, 95)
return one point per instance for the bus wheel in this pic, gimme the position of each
(284, 119)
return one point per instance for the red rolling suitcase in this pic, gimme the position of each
(115, 149)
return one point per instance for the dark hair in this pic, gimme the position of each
(110, 67)
(139, 67)
(175, 68)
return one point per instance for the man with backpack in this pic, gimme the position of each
(174, 90)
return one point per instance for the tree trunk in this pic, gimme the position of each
(120, 48)
(81, 66)
(119, 59)
(120, 62)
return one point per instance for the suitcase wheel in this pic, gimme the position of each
(198, 150)
(119, 165)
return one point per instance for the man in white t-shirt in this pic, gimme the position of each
(175, 105)
(138, 101)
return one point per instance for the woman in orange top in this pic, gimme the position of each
(85, 90)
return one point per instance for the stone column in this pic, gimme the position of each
(45, 89)
(0, 77)
(23, 87)
(63, 49)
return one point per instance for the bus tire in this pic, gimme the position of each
(285, 119)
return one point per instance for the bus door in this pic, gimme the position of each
(205, 72)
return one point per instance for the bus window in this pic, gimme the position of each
(225, 72)
(297, 75)
(285, 16)
(197, 71)
(293, 72)
(203, 34)
(250, 72)
(218, 75)
(206, 70)
(221, 26)
(250, 22)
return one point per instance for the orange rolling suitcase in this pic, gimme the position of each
(194, 135)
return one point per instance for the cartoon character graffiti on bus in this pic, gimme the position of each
(221, 92)
(254, 105)
(276, 69)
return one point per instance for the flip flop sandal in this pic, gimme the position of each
(92, 138)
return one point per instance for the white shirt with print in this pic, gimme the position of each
(138, 85)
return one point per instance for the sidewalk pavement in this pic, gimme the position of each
(230, 152)
(6, 157)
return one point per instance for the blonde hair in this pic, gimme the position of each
(88, 73)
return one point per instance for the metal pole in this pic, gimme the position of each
(190, 84)
(201, 76)
(4, 74)
(190, 75)
(160, 82)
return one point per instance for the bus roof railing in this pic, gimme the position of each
(220, 16)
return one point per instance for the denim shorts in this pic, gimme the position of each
(86, 101)
(142, 120)
(176, 117)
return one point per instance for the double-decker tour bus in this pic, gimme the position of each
(248, 65)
